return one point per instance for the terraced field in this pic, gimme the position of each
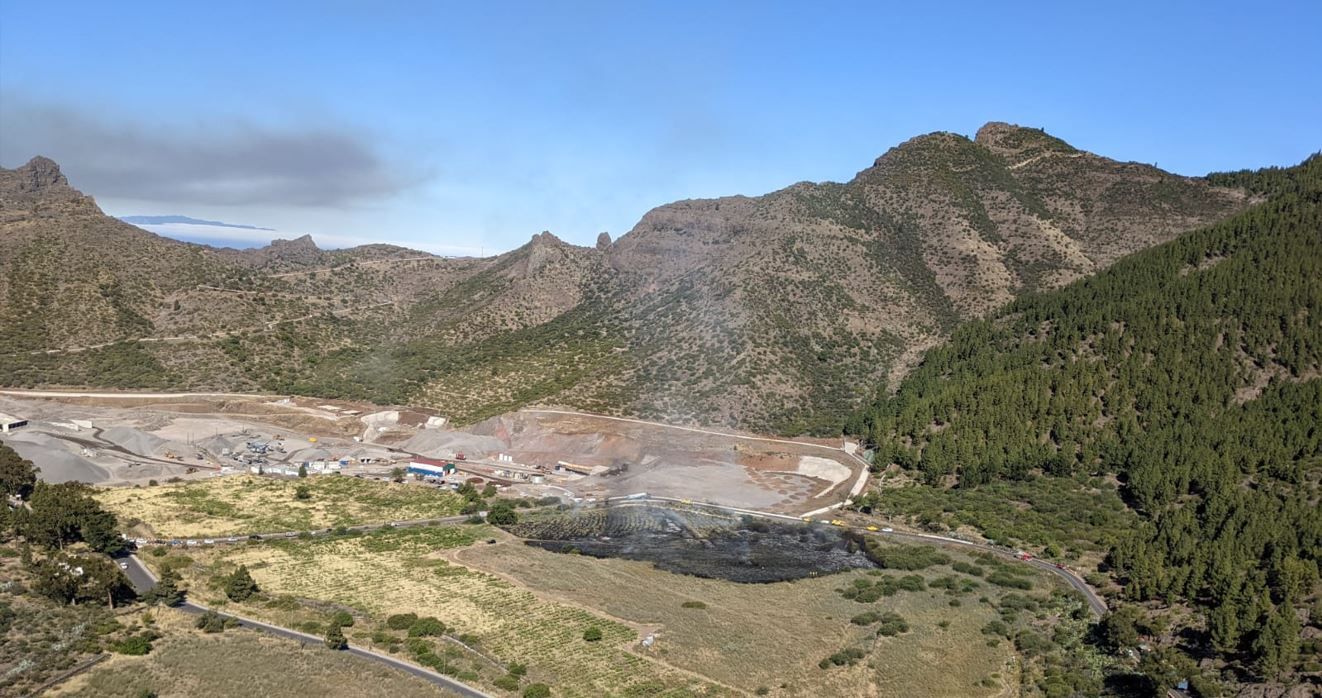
(243, 504)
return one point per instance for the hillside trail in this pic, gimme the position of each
(1048, 154)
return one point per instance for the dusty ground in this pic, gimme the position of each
(729, 469)
(134, 440)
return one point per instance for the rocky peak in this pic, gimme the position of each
(40, 173)
(298, 244)
(546, 238)
(603, 240)
(40, 186)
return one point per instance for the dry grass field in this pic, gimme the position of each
(403, 570)
(773, 635)
(243, 504)
(519, 604)
(240, 662)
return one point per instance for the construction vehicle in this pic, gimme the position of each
(873, 528)
(837, 522)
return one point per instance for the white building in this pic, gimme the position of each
(9, 422)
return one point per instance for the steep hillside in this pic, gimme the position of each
(1183, 382)
(778, 313)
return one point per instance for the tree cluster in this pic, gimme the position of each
(1189, 373)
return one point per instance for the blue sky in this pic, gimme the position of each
(458, 128)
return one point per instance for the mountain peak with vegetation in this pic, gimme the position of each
(1156, 425)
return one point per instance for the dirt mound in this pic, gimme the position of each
(437, 443)
(57, 462)
(141, 443)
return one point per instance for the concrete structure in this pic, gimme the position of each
(9, 422)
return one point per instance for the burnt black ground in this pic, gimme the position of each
(738, 551)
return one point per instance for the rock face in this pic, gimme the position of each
(38, 188)
(779, 312)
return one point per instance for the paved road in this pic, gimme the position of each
(142, 580)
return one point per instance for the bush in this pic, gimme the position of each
(844, 657)
(537, 690)
(158, 552)
(693, 604)
(866, 618)
(1004, 578)
(502, 515)
(905, 557)
(335, 638)
(968, 569)
(210, 622)
(507, 683)
(892, 624)
(133, 645)
(592, 634)
(401, 621)
(342, 619)
(426, 627)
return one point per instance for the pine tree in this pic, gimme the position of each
(1277, 645)
(240, 585)
(166, 591)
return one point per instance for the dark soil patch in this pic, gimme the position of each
(748, 551)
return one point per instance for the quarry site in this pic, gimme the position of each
(109, 439)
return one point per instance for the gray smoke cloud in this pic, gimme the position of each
(229, 164)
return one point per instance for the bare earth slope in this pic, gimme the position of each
(766, 313)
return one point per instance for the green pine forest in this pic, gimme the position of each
(1165, 413)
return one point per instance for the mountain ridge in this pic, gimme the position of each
(773, 312)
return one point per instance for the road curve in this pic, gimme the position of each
(142, 580)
